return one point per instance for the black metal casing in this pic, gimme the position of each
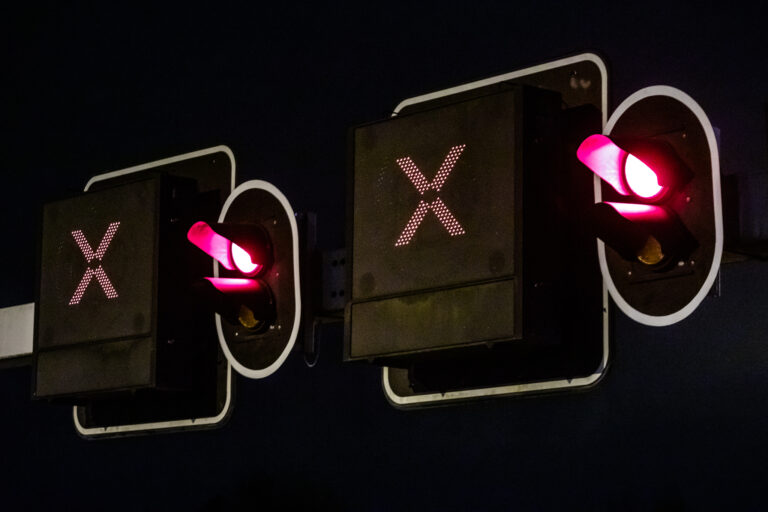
(148, 354)
(518, 292)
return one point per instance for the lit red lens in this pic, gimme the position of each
(626, 173)
(243, 261)
(642, 180)
(229, 254)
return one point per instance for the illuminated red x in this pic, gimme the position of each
(98, 272)
(422, 185)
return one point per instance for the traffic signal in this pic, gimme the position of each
(152, 282)
(244, 300)
(641, 228)
(660, 217)
(255, 286)
(117, 332)
(472, 273)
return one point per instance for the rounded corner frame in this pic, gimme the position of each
(690, 307)
(424, 400)
(208, 422)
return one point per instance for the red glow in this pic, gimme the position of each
(89, 254)
(640, 211)
(211, 243)
(243, 260)
(231, 284)
(223, 250)
(605, 159)
(422, 185)
(641, 179)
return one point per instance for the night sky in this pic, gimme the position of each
(679, 422)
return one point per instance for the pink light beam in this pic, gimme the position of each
(605, 159)
(223, 250)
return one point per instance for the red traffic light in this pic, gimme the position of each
(255, 291)
(642, 180)
(624, 171)
(231, 255)
(243, 301)
(649, 234)
(661, 216)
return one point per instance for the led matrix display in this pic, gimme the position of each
(423, 185)
(97, 284)
(473, 267)
(112, 283)
(90, 255)
(436, 227)
(434, 198)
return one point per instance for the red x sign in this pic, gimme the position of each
(98, 272)
(422, 185)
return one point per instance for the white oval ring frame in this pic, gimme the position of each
(664, 320)
(269, 370)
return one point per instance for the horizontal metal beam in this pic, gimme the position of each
(16, 330)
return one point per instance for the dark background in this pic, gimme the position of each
(679, 422)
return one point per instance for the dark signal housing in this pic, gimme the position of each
(115, 315)
(662, 231)
(259, 316)
(649, 231)
(242, 300)
(117, 332)
(465, 238)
